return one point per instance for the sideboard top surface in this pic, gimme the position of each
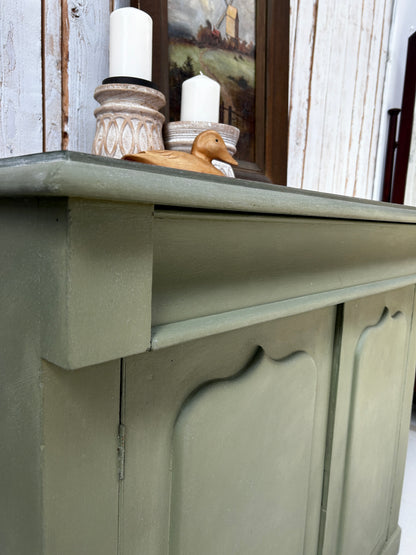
(73, 174)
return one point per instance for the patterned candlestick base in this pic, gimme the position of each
(128, 120)
(180, 135)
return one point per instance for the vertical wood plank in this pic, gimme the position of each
(343, 163)
(366, 11)
(333, 112)
(374, 100)
(320, 95)
(368, 101)
(21, 78)
(293, 17)
(64, 72)
(339, 56)
(301, 60)
(87, 24)
(52, 75)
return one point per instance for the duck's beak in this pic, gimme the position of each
(226, 157)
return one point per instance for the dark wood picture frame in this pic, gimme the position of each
(272, 78)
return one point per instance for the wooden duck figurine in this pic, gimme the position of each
(206, 147)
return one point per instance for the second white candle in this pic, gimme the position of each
(200, 99)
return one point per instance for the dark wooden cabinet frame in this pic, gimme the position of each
(272, 76)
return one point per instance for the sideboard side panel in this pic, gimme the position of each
(20, 395)
(80, 474)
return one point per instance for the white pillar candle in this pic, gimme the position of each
(131, 44)
(200, 99)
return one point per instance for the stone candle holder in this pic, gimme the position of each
(128, 120)
(180, 135)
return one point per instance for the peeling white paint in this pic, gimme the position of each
(21, 78)
(338, 59)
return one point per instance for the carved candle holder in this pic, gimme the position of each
(180, 135)
(128, 120)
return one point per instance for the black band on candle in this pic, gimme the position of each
(130, 81)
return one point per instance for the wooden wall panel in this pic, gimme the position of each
(372, 73)
(86, 32)
(339, 55)
(302, 40)
(21, 78)
(355, 120)
(54, 55)
(52, 76)
(320, 97)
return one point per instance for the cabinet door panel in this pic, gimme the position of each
(241, 458)
(370, 424)
(372, 440)
(225, 441)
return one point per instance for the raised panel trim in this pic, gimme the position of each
(218, 449)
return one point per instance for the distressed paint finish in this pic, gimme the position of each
(87, 25)
(338, 59)
(20, 78)
(48, 79)
(52, 76)
(302, 44)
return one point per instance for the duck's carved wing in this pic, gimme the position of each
(171, 155)
(158, 157)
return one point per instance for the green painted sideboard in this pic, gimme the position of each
(199, 366)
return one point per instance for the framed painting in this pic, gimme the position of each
(244, 45)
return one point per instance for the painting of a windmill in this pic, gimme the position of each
(216, 37)
(230, 16)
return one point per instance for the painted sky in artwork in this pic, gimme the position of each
(189, 15)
